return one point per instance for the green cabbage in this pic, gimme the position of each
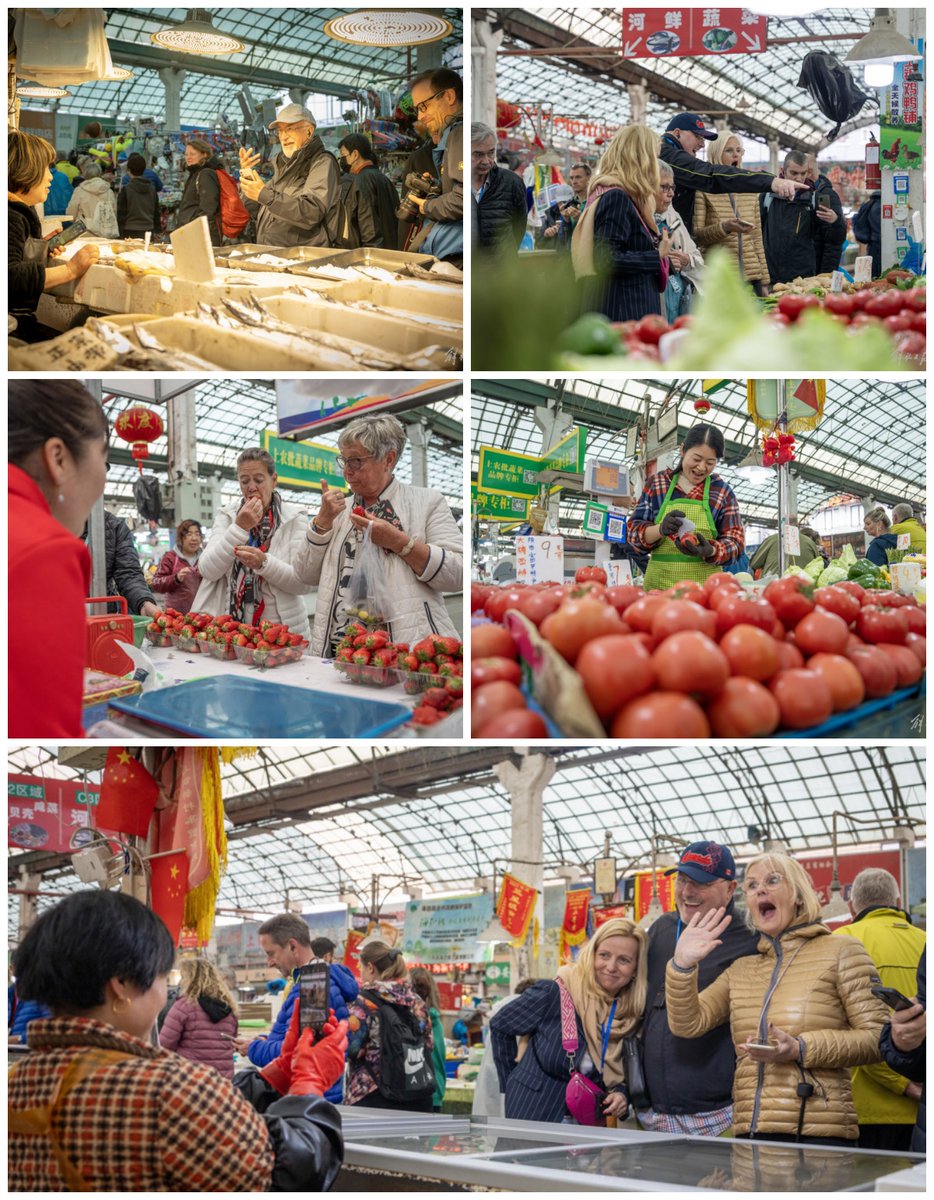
(832, 574)
(846, 557)
(814, 567)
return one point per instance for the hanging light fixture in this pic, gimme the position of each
(117, 75)
(883, 43)
(388, 27)
(41, 90)
(751, 468)
(197, 35)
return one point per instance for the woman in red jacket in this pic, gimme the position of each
(58, 464)
(202, 1023)
(177, 575)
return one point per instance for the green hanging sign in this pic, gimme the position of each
(303, 464)
(488, 506)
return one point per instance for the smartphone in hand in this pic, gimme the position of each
(892, 997)
(314, 990)
(74, 230)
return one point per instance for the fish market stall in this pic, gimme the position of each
(392, 1151)
(266, 308)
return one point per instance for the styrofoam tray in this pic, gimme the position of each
(442, 300)
(391, 334)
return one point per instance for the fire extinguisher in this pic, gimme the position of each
(873, 170)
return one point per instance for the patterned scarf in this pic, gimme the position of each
(245, 587)
(348, 556)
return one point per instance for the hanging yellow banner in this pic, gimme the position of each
(802, 401)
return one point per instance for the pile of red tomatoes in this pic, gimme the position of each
(699, 660)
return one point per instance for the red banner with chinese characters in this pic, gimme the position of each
(602, 915)
(574, 926)
(515, 906)
(352, 950)
(694, 31)
(49, 814)
(643, 894)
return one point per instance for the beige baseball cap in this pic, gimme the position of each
(290, 114)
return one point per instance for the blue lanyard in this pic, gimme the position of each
(678, 930)
(605, 1030)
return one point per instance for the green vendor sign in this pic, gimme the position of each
(489, 506)
(303, 464)
(505, 473)
(568, 454)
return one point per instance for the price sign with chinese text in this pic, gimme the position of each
(539, 559)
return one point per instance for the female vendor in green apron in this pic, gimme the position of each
(690, 490)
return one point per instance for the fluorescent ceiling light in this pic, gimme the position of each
(197, 35)
(388, 27)
(43, 90)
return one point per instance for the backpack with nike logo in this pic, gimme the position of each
(406, 1073)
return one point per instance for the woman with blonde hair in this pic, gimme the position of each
(390, 1040)
(878, 524)
(731, 219)
(801, 1011)
(29, 177)
(602, 997)
(202, 1023)
(616, 249)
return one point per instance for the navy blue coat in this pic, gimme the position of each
(876, 553)
(534, 1087)
(626, 260)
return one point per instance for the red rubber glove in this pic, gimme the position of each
(279, 1071)
(318, 1066)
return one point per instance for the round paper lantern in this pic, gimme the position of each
(702, 406)
(139, 426)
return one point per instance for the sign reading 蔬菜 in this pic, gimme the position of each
(670, 32)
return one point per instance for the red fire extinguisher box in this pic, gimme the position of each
(105, 635)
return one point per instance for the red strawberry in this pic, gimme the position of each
(427, 668)
(361, 658)
(376, 639)
(383, 658)
(446, 645)
(436, 698)
(424, 650)
(425, 715)
(359, 510)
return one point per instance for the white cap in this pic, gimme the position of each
(292, 113)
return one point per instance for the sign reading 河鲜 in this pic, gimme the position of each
(692, 31)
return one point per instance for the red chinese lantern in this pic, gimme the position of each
(702, 406)
(139, 426)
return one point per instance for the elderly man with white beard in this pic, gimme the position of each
(300, 205)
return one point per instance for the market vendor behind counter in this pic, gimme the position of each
(29, 274)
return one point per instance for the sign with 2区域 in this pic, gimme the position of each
(670, 32)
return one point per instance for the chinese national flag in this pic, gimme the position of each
(169, 884)
(806, 392)
(128, 794)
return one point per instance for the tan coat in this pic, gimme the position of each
(814, 987)
(710, 209)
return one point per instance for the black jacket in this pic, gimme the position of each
(201, 197)
(138, 208)
(625, 286)
(300, 205)
(380, 192)
(694, 175)
(26, 280)
(124, 573)
(305, 1132)
(796, 241)
(911, 1063)
(499, 220)
(689, 1075)
(867, 228)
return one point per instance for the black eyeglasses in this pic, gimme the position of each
(420, 108)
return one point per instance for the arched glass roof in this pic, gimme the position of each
(320, 822)
(232, 413)
(871, 440)
(757, 94)
(288, 42)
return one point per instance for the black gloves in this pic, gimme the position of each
(670, 523)
(699, 548)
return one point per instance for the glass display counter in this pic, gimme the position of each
(533, 1156)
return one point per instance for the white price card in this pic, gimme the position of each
(904, 541)
(792, 539)
(618, 570)
(539, 559)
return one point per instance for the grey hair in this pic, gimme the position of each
(902, 512)
(377, 435)
(91, 170)
(665, 168)
(878, 514)
(874, 886)
(480, 132)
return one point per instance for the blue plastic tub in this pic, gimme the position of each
(228, 706)
(889, 716)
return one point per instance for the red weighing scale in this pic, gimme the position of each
(106, 634)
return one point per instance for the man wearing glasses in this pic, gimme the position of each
(690, 1081)
(498, 207)
(438, 97)
(300, 205)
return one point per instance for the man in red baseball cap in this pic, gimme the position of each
(690, 1081)
(683, 137)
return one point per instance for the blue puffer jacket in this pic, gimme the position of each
(26, 1011)
(344, 988)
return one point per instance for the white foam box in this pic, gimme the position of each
(442, 300)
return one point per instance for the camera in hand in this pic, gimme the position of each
(420, 186)
(314, 986)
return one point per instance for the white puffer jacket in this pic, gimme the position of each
(281, 587)
(83, 205)
(417, 606)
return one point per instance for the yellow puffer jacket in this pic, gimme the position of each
(895, 946)
(814, 987)
(711, 208)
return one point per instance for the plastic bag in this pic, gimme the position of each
(832, 87)
(368, 599)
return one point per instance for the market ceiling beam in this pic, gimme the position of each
(132, 54)
(543, 35)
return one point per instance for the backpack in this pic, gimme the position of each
(406, 1073)
(104, 221)
(232, 216)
